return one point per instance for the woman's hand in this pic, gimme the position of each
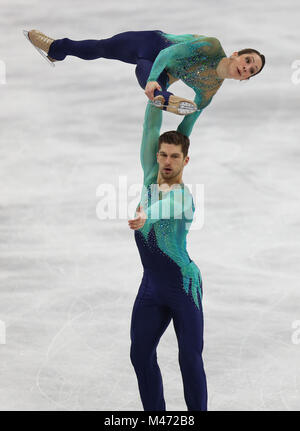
(150, 87)
(139, 221)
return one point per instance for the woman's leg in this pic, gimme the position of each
(142, 72)
(128, 46)
(163, 99)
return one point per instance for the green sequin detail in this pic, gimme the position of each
(170, 232)
(192, 59)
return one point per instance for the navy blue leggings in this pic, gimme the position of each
(156, 303)
(135, 47)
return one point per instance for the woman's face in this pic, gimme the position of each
(243, 66)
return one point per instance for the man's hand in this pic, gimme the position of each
(150, 87)
(139, 221)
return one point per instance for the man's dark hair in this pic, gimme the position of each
(249, 51)
(176, 138)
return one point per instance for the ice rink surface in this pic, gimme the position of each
(69, 279)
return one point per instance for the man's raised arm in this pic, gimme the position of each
(149, 147)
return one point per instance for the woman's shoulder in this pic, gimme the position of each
(211, 41)
(208, 45)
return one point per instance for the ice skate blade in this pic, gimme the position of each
(183, 108)
(186, 108)
(25, 32)
(157, 103)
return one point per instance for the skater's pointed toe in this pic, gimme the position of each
(32, 35)
(51, 59)
(30, 32)
(40, 40)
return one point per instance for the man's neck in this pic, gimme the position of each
(167, 184)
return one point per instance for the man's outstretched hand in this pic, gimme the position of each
(150, 87)
(139, 221)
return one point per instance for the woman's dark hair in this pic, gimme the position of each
(176, 138)
(249, 51)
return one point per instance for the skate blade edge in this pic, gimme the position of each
(25, 32)
(184, 108)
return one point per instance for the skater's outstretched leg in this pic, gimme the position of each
(128, 46)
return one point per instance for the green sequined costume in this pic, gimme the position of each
(162, 239)
(189, 57)
(193, 59)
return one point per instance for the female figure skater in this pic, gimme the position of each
(162, 59)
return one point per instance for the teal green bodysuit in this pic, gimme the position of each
(193, 59)
(162, 239)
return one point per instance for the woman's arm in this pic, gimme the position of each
(187, 124)
(175, 52)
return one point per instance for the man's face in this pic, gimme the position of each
(171, 161)
(245, 65)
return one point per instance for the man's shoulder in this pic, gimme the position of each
(183, 193)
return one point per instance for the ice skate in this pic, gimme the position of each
(177, 105)
(41, 42)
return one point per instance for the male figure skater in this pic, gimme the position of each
(171, 287)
